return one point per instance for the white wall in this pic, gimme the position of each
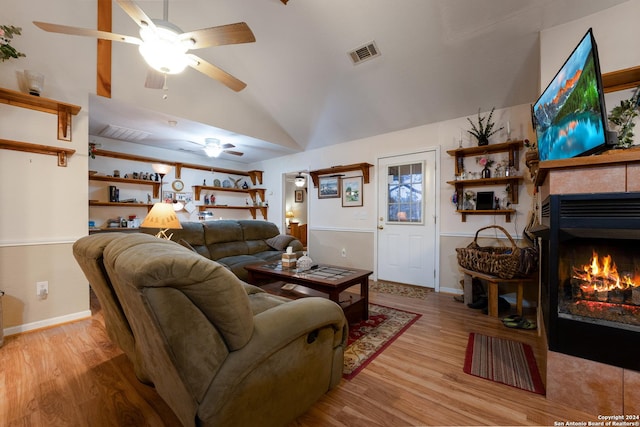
(332, 227)
(45, 206)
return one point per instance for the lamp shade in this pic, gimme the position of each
(161, 168)
(161, 216)
(289, 214)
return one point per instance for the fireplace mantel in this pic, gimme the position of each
(609, 172)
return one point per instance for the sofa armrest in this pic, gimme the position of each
(277, 327)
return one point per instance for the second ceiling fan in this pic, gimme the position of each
(165, 47)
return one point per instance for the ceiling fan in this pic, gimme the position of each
(165, 47)
(213, 147)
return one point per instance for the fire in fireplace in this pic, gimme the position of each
(597, 290)
(590, 276)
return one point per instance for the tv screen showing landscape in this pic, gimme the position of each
(570, 114)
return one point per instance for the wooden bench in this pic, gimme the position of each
(492, 288)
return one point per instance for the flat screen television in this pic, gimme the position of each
(570, 117)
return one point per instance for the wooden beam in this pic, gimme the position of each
(103, 66)
(621, 79)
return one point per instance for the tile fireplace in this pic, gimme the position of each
(590, 276)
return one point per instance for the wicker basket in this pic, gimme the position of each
(503, 262)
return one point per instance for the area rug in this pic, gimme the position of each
(368, 338)
(503, 361)
(399, 289)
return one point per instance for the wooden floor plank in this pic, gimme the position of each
(74, 375)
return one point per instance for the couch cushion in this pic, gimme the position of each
(257, 230)
(279, 242)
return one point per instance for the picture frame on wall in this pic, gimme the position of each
(328, 187)
(299, 196)
(352, 191)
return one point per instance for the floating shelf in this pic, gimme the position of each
(362, 167)
(253, 209)
(61, 153)
(63, 110)
(254, 175)
(506, 212)
(122, 204)
(154, 184)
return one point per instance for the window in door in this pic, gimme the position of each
(405, 189)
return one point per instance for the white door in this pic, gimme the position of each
(407, 199)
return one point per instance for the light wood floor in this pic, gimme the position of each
(71, 375)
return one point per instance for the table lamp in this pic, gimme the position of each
(162, 216)
(289, 215)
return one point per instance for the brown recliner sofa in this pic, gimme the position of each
(217, 352)
(235, 243)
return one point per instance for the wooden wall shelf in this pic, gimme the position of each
(255, 176)
(362, 167)
(61, 153)
(253, 209)
(154, 184)
(622, 79)
(63, 110)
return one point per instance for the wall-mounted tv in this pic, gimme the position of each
(570, 116)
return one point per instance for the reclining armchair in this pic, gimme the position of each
(212, 355)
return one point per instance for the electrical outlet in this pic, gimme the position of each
(343, 252)
(42, 289)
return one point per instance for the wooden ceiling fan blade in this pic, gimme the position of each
(216, 73)
(235, 153)
(135, 13)
(77, 31)
(221, 35)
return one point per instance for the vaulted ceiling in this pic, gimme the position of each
(439, 59)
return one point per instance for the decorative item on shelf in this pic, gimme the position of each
(6, 35)
(623, 116)
(469, 202)
(35, 82)
(483, 131)
(92, 150)
(486, 163)
(304, 263)
(162, 216)
(245, 186)
(236, 182)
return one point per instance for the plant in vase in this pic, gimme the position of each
(486, 163)
(623, 116)
(484, 130)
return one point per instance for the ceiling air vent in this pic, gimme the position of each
(123, 134)
(364, 53)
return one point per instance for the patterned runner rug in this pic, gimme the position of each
(399, 289)
(370, 337)
(503, 361)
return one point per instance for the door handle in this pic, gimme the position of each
(380, 227)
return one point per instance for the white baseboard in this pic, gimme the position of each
(456, 291)
(47, 322)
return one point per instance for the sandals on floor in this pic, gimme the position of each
(521, 323)
(512, 318)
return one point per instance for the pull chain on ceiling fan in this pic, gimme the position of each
(165, 47)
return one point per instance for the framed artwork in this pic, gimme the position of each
(168, 195)
(328, 187)
(352, 191)
(299, 196)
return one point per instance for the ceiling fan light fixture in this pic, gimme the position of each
(299, 180)
(163, 50)
(212, 147)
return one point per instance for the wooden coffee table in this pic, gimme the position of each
(324, 280)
